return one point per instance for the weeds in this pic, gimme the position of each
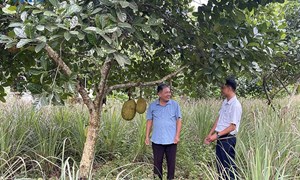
(48, 142)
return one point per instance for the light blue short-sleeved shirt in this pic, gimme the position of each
(164, 121)
(230, 113)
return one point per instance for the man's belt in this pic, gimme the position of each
(226, 136)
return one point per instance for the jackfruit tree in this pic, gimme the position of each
(58, 48)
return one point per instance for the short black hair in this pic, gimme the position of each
(231, 82)
(162, 86)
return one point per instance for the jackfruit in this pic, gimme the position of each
(141, 105)
(128, 110)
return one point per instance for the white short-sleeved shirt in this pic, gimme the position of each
(230, 113)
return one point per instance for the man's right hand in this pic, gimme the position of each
(207, 140)
(147, 141)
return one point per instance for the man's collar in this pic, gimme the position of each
(157, 102)
(231, 100)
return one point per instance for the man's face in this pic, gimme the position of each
(226, 90)
(165, 94)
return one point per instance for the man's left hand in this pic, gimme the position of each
(176, 140)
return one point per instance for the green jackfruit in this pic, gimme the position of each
(141, 105)
(128, 110)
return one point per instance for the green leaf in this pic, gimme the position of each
(44, 62)
(20, 32)
(108, 49)
(67, 36)
(230, 46)
(29, 30)
(96, 11)
(54, 37)
(5, 39)
(74, 32)
(35, 72)
(9, 9)
(9, 45)
(154, 34)
(23, 42)
(2, 90)
(255, 31)
(146, 28)
(99, 52)
(242, 54)
(39, 47)
(62, 26)
(253, 44)
(125, 25)
(174, 31)
(122, 59)
(97, 21)
(80, 36)
(49, 13)
(2, 99)
(121, 16)
(110, 29)
(54, 3)
(40, 27)
(152, 21)
(92, 38)
(133, 6)
(23, 16)
(74, 8)
(35, 88)
(103, 20)
(36, 11)
(107, 39)
(94, 29)
(51, 28)
(124, 4)
(16, 24)
(73, 22)
(41, 39)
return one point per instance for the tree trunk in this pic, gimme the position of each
(90, 143)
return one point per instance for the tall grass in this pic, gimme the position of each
(48, 142)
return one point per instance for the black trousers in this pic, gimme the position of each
(225, 151)
(159, 151)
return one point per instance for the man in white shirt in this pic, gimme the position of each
(224, 131)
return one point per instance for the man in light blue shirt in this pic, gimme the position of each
(164, 118)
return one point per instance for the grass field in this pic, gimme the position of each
(47, 143)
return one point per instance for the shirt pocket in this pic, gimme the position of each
(157, 113)
(171, 112)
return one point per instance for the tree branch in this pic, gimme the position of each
(102, 85)
(66, 70)
(57, 59)
(144, 84)
(282, 84)
(266, 92)
(85, 97)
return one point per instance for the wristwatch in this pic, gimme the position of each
(218, 136)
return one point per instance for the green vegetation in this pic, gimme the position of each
(48, 142)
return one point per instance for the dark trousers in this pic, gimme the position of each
(159, 151)
(225, 151)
